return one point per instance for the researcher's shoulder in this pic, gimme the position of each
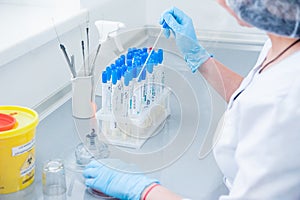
(292, 62)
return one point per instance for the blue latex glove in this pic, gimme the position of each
(109, 179)
(182, 27)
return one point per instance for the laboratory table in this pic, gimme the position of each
(57, 135)
(179, 155)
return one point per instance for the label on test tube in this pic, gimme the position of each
(144, 89)
(114, 100)
(137, 94)
(134, 107)
(161, 70)
(120, 89)
(156, 75)
(127, 79)
(106, 94)
(150, 83)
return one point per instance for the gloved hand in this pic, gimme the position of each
(182, 27)
(114, 178)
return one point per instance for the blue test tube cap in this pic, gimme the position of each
(129, 62)
(124, 68)
(129, 69)
(122, 58)
(130, 73)
(118, 62)
(127, 78)
(108, 73)
(138, 71)
(149, 66)
(113, 66)
(136, 54)
(119, 73)
(160, 53)
(104, 77)
(129, 55)
(155, 58)
(137, 61)
(114, 76)
(145, 49)
(144, 57)
(134, 70)
(144, 74)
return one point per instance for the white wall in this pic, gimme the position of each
(65, 4)
(130, 12)
(206, 14)
(32, 77)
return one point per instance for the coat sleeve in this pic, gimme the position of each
(268, 152)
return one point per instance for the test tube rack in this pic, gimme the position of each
(135, 101)
(134, 132)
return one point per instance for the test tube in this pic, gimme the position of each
(157, 74)
(136, 95)
(144, 89)
(114, 100)
(160, 61)
(120, 87)
(150, 82)
(106, 94)
(131, 87)
(127, 93)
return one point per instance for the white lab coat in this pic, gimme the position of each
(259, 147)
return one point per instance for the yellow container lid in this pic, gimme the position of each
(25, 120)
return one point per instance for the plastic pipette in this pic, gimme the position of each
(153, 47)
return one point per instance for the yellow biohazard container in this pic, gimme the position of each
(17, 148)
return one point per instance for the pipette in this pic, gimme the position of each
(153, 47)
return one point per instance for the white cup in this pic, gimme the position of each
(83, 104)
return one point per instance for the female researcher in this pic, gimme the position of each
(259, 148)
